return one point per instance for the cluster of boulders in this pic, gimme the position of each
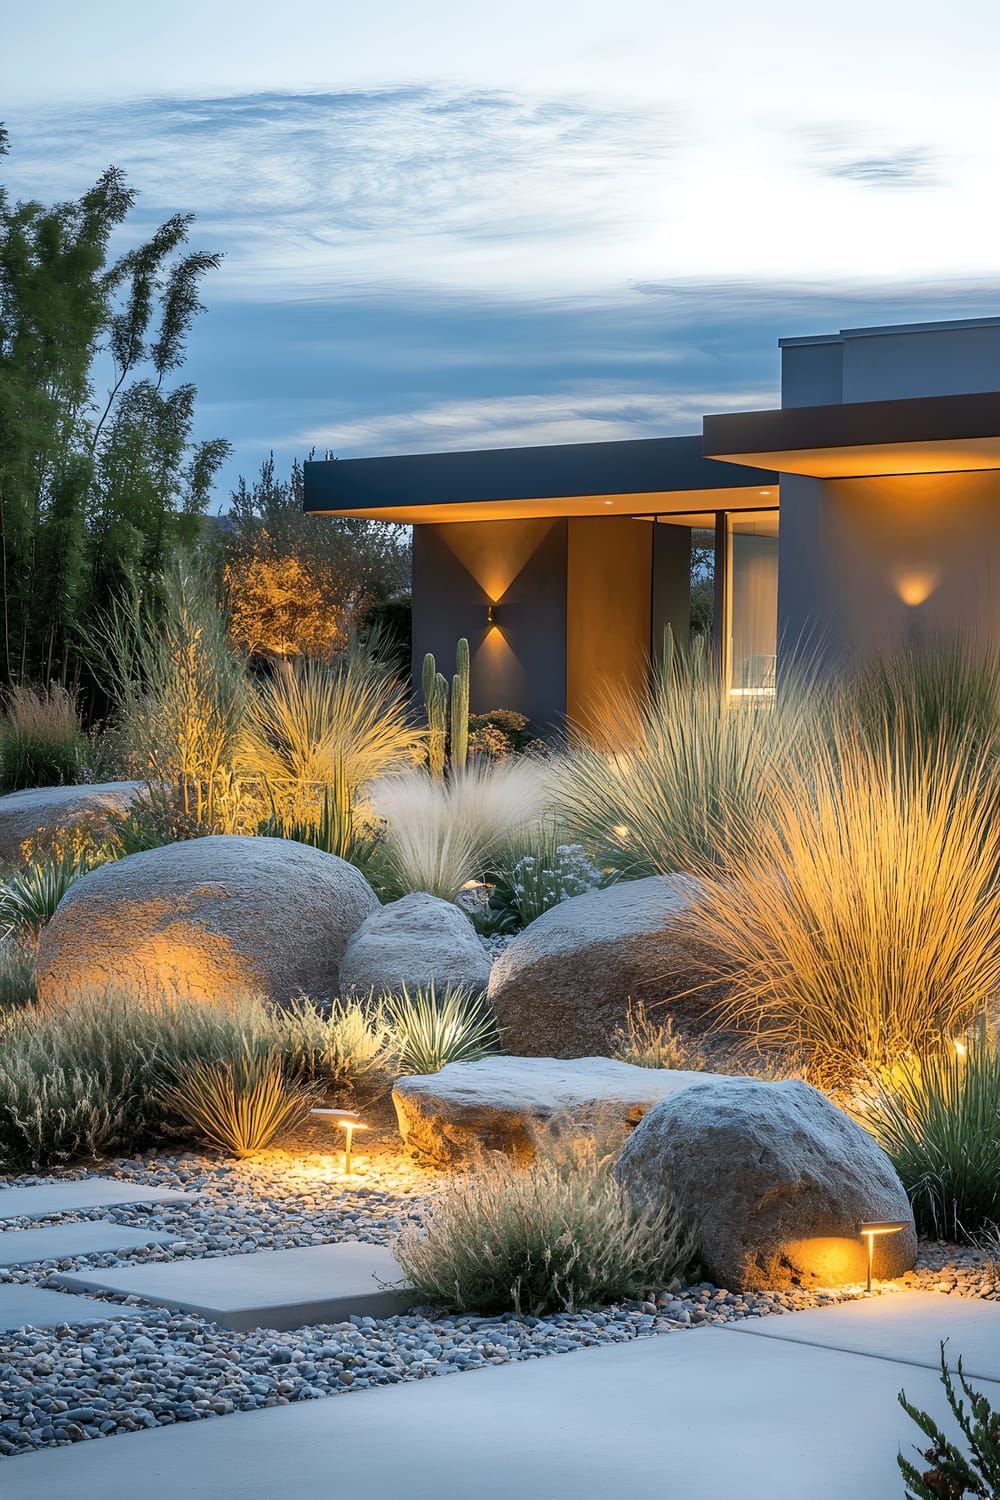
(773, 1178)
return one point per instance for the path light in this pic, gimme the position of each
(959, 1047)
(347, 1121)
(873, 1227)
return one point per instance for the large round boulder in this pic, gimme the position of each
(209, 918)
(564, 984)
(777, 1182)
(501, 1103)
(417, 941)
(39, 814)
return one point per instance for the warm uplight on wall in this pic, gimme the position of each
(347, 1121)
(913, 588)
(870, 1230)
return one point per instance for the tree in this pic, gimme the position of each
(298, 582)
(95, 492)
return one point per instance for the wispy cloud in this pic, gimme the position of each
(850, 153)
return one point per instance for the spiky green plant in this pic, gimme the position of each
(29, 897)
(313, 726)
(556, 1237)
(334, 828)
(692, 778)
(429, 1030)
(937, 1117)
(435, 688)
(953, 1475)
(239, 1106)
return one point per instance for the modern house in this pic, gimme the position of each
(862, 513)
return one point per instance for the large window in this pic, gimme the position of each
(716, 575)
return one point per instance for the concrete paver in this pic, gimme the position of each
(907, 1327)
(23, 1247)
(703, 1415)
(65, 1196)
(27, 1306)
(269, 1289)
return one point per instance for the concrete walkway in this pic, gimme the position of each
(712, 1414)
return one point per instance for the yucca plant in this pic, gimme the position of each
(862, 923)
(557, 1236)
(239, 1105)
(29, 897)
(937, 1117)
(429, 1030)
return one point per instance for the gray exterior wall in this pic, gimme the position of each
(892, 364)
(870, 565)
(520, 566)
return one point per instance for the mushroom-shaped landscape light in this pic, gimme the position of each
(873, 1227)
(347, 1121)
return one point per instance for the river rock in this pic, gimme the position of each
(417, 941)
(208, 918)
(564, 984)
(777, 1181)
(500, 1103)
(40, 813)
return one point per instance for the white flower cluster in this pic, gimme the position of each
(539, 883)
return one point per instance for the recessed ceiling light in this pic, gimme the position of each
(765, 492)
(609, 502)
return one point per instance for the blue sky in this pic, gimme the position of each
(551, 223)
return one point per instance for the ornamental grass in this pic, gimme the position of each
(557, 1236)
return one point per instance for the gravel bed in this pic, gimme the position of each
(66, 1385)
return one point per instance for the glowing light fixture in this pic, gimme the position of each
(620, 831)
(959, 1047)
(347, 1121)
(874, 1227)
(491, 618)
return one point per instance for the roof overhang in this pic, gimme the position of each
(647, 476)
(923, 435)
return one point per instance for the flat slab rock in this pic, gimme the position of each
(38, 1200)
(497, 1104)
(278, 1289)
(24, 1247)
(34, 1307)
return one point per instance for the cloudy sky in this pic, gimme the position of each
(557, 221)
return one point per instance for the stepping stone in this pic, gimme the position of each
(278, 1289)
(33, 1307)
(22, 1247)
(903, 1326)
(44, 1198)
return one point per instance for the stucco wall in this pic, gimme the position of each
(519, 567)
(870, 564)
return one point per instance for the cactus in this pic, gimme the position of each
(460, 708)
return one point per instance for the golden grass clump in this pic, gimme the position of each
(241, 1104)
(862, 923)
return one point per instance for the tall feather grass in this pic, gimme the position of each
(937, 1117)
(41, 739)
(694, 780)
(862, 921)
(441, 834)
(558, 1236)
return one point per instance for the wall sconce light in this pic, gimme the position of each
(491, 618)
(868, 1232)
(347, 1121)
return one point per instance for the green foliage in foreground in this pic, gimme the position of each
(952, 1475)
(95, 1077)
(429, 1031)
(557, 1236)
(240, 1105)
(41, 741)
(938, 1120)
(17, 978)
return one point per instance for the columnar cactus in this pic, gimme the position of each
(460, 708)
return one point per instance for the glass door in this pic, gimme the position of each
(750, 626)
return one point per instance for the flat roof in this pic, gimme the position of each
(649, 475)
(918, 435)
(874, 332)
